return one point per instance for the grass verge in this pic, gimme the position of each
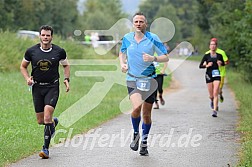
(243, 95)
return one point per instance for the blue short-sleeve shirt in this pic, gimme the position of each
(134, 51)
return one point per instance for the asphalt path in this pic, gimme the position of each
(183, 133)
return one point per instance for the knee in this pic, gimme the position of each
(136, 112)
(137, 109)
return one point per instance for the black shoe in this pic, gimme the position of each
(143, 149)
(135, 143)
(214, 114)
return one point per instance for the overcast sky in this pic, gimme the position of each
(129, 6)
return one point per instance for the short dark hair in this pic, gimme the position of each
(47, 28)
(140, 14)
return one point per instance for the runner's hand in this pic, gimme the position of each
(124, 68)
(30, 81)
(219, 62)
(147, 57)
(209, 64)
(67, 85)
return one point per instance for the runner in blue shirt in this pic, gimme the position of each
(136, 58)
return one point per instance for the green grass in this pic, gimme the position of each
(17, 119)
(243, 95)
(12, 50)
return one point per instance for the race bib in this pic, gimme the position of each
(143, 84)
(215, 73)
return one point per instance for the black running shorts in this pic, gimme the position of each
(210, 79)
(44, 96)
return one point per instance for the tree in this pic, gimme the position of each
(185, 10)
(151, 7)
(101, 15)
(232, 23)
(31, 14)
(7, 14)
(169, 12)
(243, 36)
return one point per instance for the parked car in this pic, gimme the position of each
(28, 34)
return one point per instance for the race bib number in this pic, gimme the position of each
(143, 84)
(215, 73)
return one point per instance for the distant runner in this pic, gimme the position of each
(212, 61)
(221, 68)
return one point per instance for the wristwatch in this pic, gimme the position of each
(68, 80)
(155, 58)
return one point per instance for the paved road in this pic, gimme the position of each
(183, 133)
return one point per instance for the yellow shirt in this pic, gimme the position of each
(225, 58)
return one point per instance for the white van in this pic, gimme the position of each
(28, 34)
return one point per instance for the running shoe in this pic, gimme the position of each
(44, 153)
(162, 100)
(221, 98)
(211, 105)
(143, 149)
(214, 114)
(135, 143)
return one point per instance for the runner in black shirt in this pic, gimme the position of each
(211, 62)
(45, 58)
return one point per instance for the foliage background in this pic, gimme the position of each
(195, 20)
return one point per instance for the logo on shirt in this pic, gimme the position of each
(44, 65)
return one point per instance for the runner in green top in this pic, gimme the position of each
(221, 68)
(160, 72)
